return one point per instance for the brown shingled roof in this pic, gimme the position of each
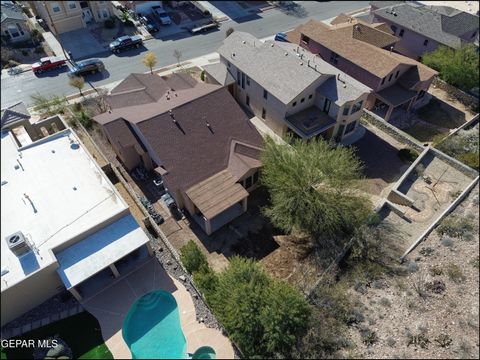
(339, 39)
(121, 135)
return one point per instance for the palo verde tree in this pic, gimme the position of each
(313, 188)
(150, 60)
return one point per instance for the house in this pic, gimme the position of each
(14, 23)
(193, 135)
(360, 51)
(288, 88)
(64, 224)
(423, 29)
(64, 16)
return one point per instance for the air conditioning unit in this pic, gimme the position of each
(18, 243)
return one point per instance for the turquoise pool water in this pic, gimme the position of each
(205, 352)
(152, 329)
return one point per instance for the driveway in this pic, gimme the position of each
(81, 43)
(112, 304)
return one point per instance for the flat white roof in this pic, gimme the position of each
(53, 191)
(94, 253)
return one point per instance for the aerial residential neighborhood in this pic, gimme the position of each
(240, 179)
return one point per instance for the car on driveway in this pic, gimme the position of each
(90, 66)
(149, 24)
(281, 37)
(48, 63)
(162, 15)
(125, 42)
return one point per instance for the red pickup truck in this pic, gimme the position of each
(48, 63)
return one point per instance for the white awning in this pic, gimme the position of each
(97, 251)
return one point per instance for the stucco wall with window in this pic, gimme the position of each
(15, 30)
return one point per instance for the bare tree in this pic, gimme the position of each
(77, 82)
(177, 54)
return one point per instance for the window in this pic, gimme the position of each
(265, 94)
(247, 100)
(228, 63)
(264, 113)
(19, 27)
(396, 74)
(357, 106)
(425, 43)
(238, 77)
(248, 81)
(421, 94)
(346, 109)
(305, 39)
(303, 99)
(383, 81)
(72, 5)
(13, 31)
(401, 33)
(310, 96)
(243, 81)
(473, 35)
(56, 7)
(248, 182)
(390, 77)
(294, 103)
(105, 13)
(255, 177)
(334, 57)
(350, 127)
(394, 29)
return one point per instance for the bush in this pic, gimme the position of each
(385, 302)
(192, 258)
(436, 286)
(447, 242)
(456, 226)
(436, 270)
(109, 23)
(471, 159)
(455, 273)
(407, 154)
(202, 75)
(84, 118)
(369, 337)
(443, 340)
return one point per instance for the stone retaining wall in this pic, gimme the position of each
(456, 93)
(397, 134)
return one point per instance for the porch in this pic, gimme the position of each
(392, 98)
(310, 122)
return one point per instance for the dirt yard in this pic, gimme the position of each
(432, 312)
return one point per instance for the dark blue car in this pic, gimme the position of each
(281, 37)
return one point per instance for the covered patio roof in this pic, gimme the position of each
(395, 95)
(310, 122)
(216, 194)
(87, 257)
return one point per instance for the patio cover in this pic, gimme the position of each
(310, 122)
(395, 95)
(216, 194)
(87, 257)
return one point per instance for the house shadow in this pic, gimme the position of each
(457, 117)
(237, 14)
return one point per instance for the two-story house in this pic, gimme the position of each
(359, 51)
(288, 88)
(423, 29)
(64, 16)
(14, 23)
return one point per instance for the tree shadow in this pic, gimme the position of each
(291, 8)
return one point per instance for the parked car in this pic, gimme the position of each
(162, 15)
(48, 63)
(281, 37)
(149, 24)
(125, 42)
(90, 66)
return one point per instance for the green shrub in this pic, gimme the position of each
(192, 258)
(369, 337)
(206, 280)
(109, 23)
(471, 159)
(84, 118)
(202, 75)
(455, 273)
(456, 226)
(407, 154)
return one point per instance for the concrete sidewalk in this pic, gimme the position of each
(52, 41)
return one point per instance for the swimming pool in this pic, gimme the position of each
(152, 329)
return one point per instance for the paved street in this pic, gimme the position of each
(20, 87)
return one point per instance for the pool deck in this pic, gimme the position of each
(111, 305)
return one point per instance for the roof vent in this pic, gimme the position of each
(18, 244)
(244, 42)
(233, 54)
(301, 63)
(286, 54)
(271, 45)
(170, 112)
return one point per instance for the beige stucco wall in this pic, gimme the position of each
(31, 292)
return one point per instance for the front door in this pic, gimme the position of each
(87, 15)
(326, 105)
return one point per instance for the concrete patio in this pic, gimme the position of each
(111, 305)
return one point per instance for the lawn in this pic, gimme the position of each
(81, 332)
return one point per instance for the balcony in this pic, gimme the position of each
(310, 122)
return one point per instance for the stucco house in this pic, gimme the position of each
(360, 50)
(288, 88)
(14, 23)
(64, 16)
(422, 28)
(193, 135)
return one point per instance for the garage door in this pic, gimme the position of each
(69, 24)
(146, 7)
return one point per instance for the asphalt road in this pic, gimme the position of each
(20, 87)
